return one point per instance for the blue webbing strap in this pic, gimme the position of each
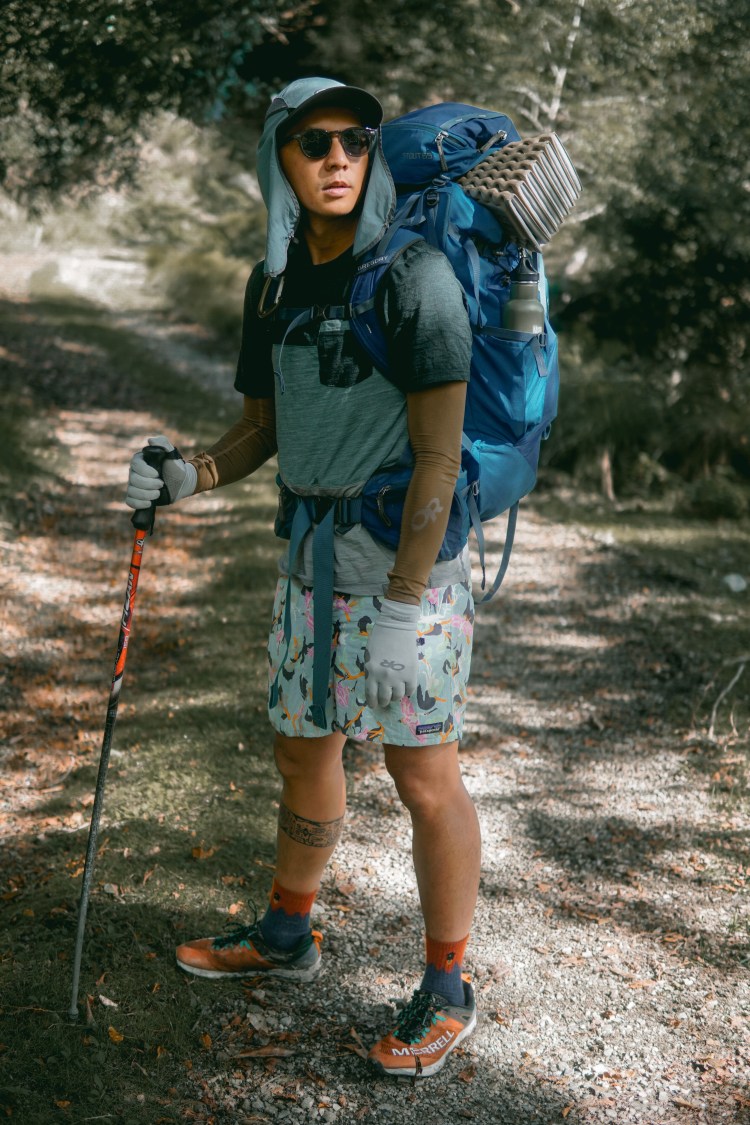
(473, 256)
(541, 366)
(476, 523)
(345, 510)
(301, 524)
(509, 534)
(322, 613)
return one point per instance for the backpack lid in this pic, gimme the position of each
(447, 139)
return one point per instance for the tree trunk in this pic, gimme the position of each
(605, 469)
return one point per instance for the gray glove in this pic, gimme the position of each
(391, 666)
(145, 484)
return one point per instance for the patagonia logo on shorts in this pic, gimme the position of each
(429, 728)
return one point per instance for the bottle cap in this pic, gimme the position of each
(525, 271)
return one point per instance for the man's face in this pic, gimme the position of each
(331, 186)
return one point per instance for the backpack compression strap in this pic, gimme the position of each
(319, 515)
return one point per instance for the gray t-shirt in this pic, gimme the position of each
(338, 418)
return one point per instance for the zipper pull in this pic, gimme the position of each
(439, 144)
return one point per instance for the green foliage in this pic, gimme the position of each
(77, 77)
(205, 287)
(717, 497)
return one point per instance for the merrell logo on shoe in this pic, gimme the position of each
(438, 1045)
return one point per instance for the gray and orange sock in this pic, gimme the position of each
(443, 972)
(287, 919)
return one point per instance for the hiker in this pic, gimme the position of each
(399, 622)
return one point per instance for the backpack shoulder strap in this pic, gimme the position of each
(364, 321)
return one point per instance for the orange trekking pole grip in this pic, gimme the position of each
(143, 521)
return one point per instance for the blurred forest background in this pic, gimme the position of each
(131, 125)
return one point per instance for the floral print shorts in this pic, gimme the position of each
(431, 716)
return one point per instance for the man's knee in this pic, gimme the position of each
(426, 778)
(297, 758)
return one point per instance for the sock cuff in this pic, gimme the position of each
(445, 956)
(291, 902)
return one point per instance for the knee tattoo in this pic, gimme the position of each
(313, 833)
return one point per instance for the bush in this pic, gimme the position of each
(717, 497)
(204, 287)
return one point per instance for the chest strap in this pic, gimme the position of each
(296, 318)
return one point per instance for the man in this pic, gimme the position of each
(399, 624)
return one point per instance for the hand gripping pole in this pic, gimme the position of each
(143, 521)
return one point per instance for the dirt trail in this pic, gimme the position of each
(610, 950)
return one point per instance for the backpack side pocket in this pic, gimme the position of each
(509, 373)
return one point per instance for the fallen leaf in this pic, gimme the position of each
(468, 1074)
(115, 1035)
(161, 1051)
(684, 1104)
(89, 1013)
(62, 1105)
(567, 1110)
(105, 1000)
(642, 983)
(206, 1040)
(147, 876)
(202, 853)
(357, 1046)
(235, 908)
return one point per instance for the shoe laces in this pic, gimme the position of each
(418, 1016)
(236, 936)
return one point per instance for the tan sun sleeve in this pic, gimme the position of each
(435, 418)
(246, 446)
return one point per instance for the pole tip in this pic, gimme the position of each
(73, 1015)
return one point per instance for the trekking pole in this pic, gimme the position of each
(143, 522)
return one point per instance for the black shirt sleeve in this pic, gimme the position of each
(254, 376)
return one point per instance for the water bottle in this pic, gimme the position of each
(524, 311)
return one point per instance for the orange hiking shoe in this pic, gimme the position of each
(243, 953)
(426, 1032)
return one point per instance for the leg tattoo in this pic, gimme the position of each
(313, 833)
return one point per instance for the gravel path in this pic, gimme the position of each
(608, 952)
(610, 947)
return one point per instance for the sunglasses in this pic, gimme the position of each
(316, 143)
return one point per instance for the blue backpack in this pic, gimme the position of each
(512, 394)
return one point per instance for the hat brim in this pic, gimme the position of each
(366, 106)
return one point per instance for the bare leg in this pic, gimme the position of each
(445, 835)
(313, 802)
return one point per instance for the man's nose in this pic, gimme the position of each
(337, 158)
